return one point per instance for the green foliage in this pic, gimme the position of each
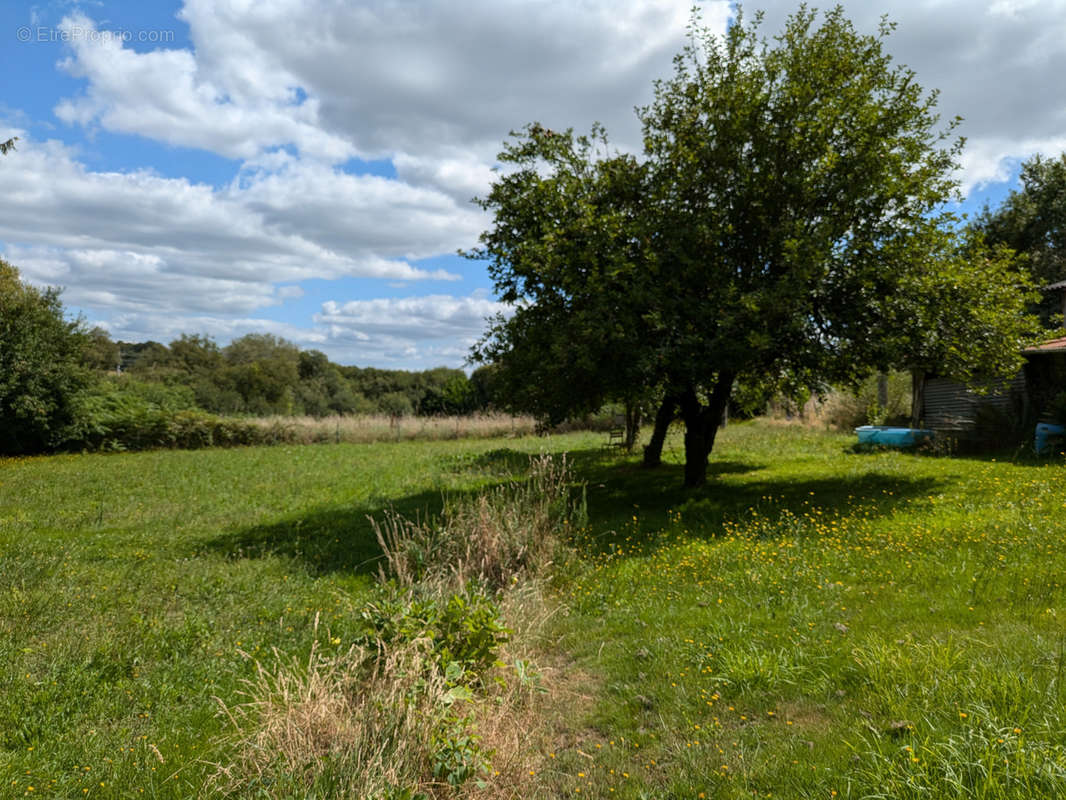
(457, 755)
(1032, 221)
(123, 413)
(264, 375)
(784, 227)
(568, 235)
(40, 366)
(963, 315)
(396, 404)
(100, 352)
(464, 628)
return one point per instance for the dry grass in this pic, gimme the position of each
(357, 724)
(362, 723)
(380, 428)
(379, 721)
(525, 718)
(505, 535)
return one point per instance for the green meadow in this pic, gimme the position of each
(816, 622)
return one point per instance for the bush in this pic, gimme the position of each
(128, 414)
(464, 629)
(40, 366)
(850, 408)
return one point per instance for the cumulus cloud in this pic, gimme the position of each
(167, 95)
(121, 240)
(423, 78)
(436, 88)
(433, 86)
(995, 64)
(428, 317)
(294, 89)
(429, 330)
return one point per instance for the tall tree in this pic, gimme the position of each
(789, 196)
(569, 249)
(1032, 221)
(40, 365)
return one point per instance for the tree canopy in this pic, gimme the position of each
(784, 225)
(40, 365)
(571, 242)
(1032, 221)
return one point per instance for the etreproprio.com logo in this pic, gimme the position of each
(70, 34)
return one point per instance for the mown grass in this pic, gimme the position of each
(136, 588)
(814, 623)
(820, 623)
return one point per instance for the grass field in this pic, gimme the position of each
(814, 623)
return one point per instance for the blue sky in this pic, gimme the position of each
(304, 167)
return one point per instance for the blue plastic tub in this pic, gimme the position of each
(892, 437)
(1046, 433)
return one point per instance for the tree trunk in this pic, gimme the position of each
(653, 450)
(701, 427)
(917, 397)
(632, 425)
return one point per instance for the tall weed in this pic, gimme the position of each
(403, 712)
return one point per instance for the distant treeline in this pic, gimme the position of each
(260, 374)
(66, 387)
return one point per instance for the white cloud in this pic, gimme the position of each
(434, 86)
(137, 240)
(424, 78)
(427, 317)
(168, 96)
(294, 88)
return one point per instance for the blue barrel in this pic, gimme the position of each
(1046, 434)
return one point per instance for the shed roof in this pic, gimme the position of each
(1050, 346)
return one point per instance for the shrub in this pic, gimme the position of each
(464, 629)
(127, 414)
(40, 366)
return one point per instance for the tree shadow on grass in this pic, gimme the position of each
(617, 491)
(341, 538)
(325, 540)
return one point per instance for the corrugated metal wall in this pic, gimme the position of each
(950, 406)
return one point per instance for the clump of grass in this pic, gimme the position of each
(507, 534)
(404, 711)
(357, 724)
